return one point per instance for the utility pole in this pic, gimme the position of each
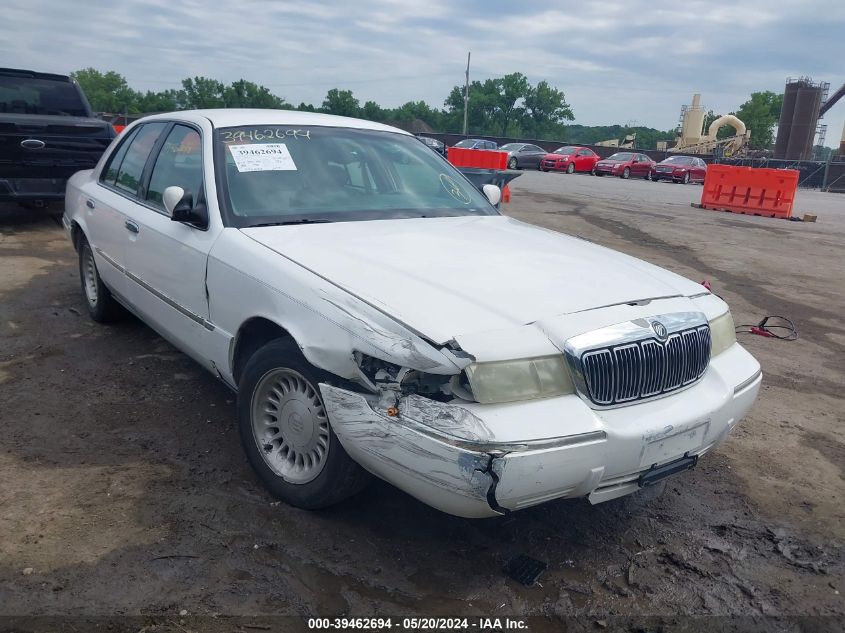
(466, 94)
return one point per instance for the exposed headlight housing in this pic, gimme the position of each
(722, 333)
(522, 379)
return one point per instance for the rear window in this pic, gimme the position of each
(30, 95)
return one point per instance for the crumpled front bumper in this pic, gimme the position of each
(470, 460)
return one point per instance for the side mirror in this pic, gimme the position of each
(493, 193)
(172, 197)
(179, 205)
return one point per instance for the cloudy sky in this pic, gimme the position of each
(632, 61)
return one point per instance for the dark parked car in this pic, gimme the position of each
(522, 155)
(476, 143)
(681, 169)
(626, 165)
(47, 133)
(434, 144)
(570, 159)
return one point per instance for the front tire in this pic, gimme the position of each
(571, 168)
(285, 430)
(512, 163)
(685, 179)
(101, 305)
(626, 173)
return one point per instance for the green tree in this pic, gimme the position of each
(760, 115)
(164, 101)
(202, 92)
(373, 112)
(107, 92)
(246, 94)
(341, 102)
(483, 100)
(512, 88)
(546, 110)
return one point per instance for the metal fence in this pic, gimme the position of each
(814, 174)
(824, 175)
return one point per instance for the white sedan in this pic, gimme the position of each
(375, 313)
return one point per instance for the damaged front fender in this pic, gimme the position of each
(446, 456)
(446, 477)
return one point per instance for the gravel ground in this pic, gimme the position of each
(125, 491)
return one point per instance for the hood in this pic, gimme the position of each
(559, 156)
(445, 277)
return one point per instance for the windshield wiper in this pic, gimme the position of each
(289, 222)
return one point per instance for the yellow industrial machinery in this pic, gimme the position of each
(692, 140)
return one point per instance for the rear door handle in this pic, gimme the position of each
(131, 227)
(90, 204)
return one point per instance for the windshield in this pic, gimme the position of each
(511, 147)
(565, 150)
(466, 143)
(274, 174)
(622, 156)
(30, 95)
(679, 160)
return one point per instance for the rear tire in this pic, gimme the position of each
(285, 430)
(101, 305)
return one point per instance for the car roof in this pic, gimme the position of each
(231, 117)
(20, 72)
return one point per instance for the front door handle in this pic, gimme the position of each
(131, 227)
(90, 203)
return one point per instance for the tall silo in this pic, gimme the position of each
(693, 122)
(842, 144)
(808, 100)
(785, 121)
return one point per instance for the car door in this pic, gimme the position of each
(700, 169)
(582, 160)
(642, 165)
(167, 259)
(107, 200)
(534, 155)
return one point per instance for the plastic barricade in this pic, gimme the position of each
(479, 158)
(750, 190)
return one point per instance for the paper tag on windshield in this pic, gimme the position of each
(262, 157)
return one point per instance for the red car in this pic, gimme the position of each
(626, 165)
(681, 169)
(570, 159)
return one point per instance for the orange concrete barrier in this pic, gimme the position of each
(506, 193)
(479, 158)
(750, 190)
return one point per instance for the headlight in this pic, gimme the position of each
(722, 333)
(523, 379)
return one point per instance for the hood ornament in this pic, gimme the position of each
(660, 331)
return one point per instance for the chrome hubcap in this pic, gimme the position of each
(290, 425)
(89, 274)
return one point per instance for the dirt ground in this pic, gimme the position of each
(124, 490)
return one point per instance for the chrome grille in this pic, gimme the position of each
(646, 368)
